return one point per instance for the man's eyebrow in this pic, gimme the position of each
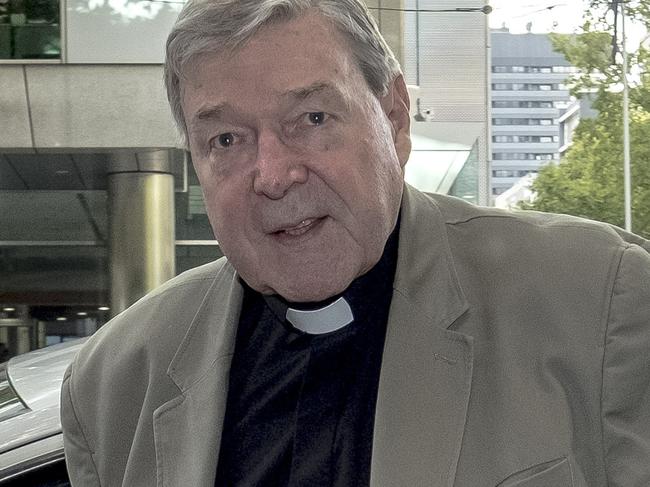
(316, 88)
(208, 112)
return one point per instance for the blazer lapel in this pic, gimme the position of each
(187, 429)
(426, 371)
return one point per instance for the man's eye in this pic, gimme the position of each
(317, 118)
(225, 140)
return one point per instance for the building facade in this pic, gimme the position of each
(528, 96)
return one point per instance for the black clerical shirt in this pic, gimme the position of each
(301, 407)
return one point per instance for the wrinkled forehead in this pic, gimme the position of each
(279, 56)
(323, 31)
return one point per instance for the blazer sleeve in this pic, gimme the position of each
(78, 454)
(626, 374)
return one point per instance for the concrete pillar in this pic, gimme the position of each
(141, 215)
(41, 334)
(23, 339)
(4, 335)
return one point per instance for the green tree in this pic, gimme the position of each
(589, 180)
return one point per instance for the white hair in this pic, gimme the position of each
(216, 26)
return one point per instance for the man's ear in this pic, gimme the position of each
(396, 105)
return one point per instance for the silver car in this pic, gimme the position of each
(31, 443)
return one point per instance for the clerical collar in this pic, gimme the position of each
(325, 319)
(341, 310)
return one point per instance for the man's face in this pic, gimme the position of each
(301, 165)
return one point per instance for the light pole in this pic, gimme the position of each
(627, 172)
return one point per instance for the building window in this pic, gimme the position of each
(524, 121)
(527, 139)
(523, 104)
(565, 69)
(30, 29)
(518, 69)
(502, 173)
(522, 156)
(499, 69)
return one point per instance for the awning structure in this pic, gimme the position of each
(438, 166)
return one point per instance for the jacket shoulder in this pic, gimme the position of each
(458, 213)
(150, 330)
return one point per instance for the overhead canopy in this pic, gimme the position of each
(435, 165)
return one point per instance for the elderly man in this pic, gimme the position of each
(358, 332)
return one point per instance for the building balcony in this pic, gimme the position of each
(549, 95)
(526, 130)
(526, 112)
(533, 147)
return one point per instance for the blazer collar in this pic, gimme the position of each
(425, 267)
(187, 429)
(211, 335)
(426, 372)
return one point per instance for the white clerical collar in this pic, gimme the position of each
(330, 318)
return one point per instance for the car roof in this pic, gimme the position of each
(36, 378)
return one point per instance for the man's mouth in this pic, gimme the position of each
(300, 229)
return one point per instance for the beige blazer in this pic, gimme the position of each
(517, 354)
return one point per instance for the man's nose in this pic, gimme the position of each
(278, 167)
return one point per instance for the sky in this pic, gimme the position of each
(545, 15)
(548, 16)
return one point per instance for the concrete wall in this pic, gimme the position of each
(80, 107)
(446, 54)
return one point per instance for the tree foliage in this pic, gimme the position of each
(589, 180)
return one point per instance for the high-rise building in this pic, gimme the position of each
(529, 94)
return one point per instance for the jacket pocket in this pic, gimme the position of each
(556, 473)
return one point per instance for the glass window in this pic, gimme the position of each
(189, 256)
(191, 217)
(10, 404)
(41, 475)
(502, 174)
(30, 29)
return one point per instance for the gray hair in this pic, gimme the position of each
(205, 26)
